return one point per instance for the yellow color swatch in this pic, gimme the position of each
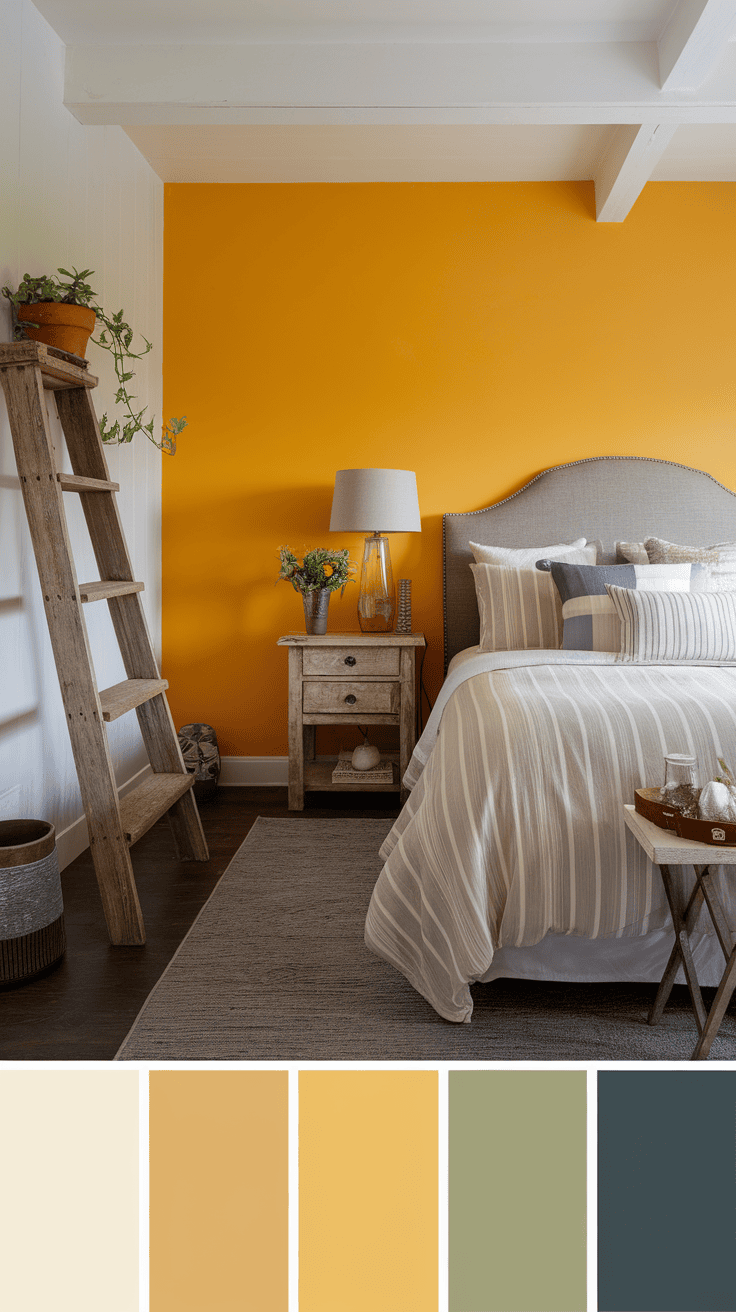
(219, 1191)
(368, 1191)
(69, 1196)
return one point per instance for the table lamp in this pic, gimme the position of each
(375, 501)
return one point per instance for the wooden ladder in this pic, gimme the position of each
(27, 369)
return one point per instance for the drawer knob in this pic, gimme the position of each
(349, 660)
(351, 699)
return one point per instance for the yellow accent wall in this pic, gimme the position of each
(475, 333)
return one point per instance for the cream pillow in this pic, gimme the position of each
(633, 553)
(720, 559)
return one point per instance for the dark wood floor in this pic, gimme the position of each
(82, 1009)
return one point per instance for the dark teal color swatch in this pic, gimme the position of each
(667, 1191)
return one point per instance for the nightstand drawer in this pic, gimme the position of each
(351, 698)
(352, 660)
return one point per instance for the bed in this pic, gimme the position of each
(511, 856)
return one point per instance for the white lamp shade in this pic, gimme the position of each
(375, 500)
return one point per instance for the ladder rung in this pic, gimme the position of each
(150, 800)
(76, 483)
(57, 367)
(122, 697)
(101, 588)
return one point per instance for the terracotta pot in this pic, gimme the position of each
(68, 327)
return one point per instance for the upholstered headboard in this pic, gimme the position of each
(626, 498)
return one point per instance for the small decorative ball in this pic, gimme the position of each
(365, 757)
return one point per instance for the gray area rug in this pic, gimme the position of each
(275, 969)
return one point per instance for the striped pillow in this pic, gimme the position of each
(590, 619)
(675, 626)
(519, 609)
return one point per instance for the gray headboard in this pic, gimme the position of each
(612, 498)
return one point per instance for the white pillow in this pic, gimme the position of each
(527, 557)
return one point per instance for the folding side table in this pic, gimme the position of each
(666, 849)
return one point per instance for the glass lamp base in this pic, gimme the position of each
(377, 600)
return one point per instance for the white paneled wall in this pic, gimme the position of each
(84, 197)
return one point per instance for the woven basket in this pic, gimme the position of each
(32, 935)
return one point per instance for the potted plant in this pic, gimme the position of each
(320, 573)
(63, 314)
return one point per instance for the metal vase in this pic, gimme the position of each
(316, 605)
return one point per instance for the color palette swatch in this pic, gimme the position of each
(368, 1191)
(517, 1191)
(347, 1190)
(667, 1191)
(218, 1143)
(69, 1191)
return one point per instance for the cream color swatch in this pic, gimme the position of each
(69, 1196)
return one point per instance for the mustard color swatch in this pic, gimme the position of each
(69, 1194)
(368, 1191)
(517, 1197)
(218, 1191)
(475, 333)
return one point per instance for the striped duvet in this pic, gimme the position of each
(514, 825)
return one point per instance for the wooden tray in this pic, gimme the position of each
(714, 832)
(647, 803)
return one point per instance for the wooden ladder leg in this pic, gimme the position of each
(23, 386)
(87, 455)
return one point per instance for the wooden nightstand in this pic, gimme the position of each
(348, 678)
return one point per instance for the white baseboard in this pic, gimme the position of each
(74, 840)
(255, 771)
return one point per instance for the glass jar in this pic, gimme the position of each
(680, 789)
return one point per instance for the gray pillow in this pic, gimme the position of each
(590, 620)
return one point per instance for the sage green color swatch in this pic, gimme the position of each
(517, 1191)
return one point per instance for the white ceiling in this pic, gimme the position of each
(617, 91)
(211, 21)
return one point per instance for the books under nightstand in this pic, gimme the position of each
(343, 773)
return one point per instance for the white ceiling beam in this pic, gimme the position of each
(380, 83)
(695, 41)
(627, 166)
